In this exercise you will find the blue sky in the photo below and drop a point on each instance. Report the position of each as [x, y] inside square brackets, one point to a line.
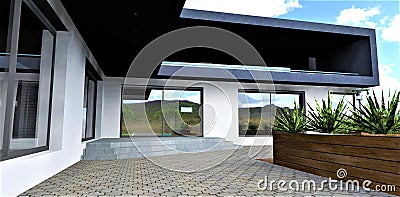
[155, 94]
[383, 16]
[329, 11]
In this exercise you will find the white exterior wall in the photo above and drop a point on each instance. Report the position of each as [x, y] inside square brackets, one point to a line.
[65, 147]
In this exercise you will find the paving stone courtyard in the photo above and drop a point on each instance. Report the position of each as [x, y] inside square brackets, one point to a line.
[238, 175]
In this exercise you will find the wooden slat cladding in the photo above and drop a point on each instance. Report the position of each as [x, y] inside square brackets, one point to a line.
[380, 142]
[374, 158]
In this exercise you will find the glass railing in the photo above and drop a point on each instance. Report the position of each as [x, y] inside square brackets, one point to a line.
[250, 68]
[25, 61]
[229, 67]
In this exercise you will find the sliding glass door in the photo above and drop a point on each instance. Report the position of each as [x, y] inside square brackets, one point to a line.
[170, 112]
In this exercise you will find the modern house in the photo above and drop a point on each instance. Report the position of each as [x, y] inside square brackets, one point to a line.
[72, 72]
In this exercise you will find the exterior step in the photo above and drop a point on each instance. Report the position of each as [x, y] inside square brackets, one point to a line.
[124, 148]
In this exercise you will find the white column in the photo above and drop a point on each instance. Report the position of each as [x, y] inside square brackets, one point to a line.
[44, 88]
[59, 94]
[218, 110]
[112, 108]
[66, 117]
[315, 93]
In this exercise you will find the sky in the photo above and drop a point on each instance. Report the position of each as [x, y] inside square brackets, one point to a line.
[249, 100]
[155, 94]
[383, 16]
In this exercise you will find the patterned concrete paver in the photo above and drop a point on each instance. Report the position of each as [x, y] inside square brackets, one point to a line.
[238, 175]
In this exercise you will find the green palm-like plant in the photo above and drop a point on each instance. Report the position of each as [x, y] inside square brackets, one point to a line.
[326, 118]
[377, 117]
[253, 126]
[292, 122]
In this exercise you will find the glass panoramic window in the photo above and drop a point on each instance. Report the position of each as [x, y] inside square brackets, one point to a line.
[35, 47]
[26, 109]
[162, 113]
[257, 111]
[140, 115]
[181, 110]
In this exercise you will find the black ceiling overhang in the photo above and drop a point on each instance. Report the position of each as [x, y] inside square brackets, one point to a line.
[115, 33]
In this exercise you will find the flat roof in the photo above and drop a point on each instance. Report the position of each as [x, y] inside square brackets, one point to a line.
[117, 33]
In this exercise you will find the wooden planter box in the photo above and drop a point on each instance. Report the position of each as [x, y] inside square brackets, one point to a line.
[374, 158]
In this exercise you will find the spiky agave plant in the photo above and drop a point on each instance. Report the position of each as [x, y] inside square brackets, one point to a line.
[377, 117]
[292, 122]
[326, 118]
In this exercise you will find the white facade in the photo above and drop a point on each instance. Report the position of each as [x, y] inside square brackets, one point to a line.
[220, 118]
[65, 146]
[220, 101]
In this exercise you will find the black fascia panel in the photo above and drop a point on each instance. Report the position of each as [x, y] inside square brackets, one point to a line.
[357, 56]
[274, 22]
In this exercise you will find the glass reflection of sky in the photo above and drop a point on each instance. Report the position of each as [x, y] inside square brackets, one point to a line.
[285, 100]
[193, 96]
[262, 99]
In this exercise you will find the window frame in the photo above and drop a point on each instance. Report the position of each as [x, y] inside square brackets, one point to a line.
[302, 102]
[91, 75]
[346, 94]
[15, 12]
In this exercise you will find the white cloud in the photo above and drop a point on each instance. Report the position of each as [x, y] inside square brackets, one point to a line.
[265, 8]
[387, 82]
[155, 95]
[392, 33]
[360, 17]
[383, 20]
[192, 98]
[386, 69]
[388, 85]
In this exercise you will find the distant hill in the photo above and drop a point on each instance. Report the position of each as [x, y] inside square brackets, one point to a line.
[154, 106]
[255, 113]
[153, 109]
